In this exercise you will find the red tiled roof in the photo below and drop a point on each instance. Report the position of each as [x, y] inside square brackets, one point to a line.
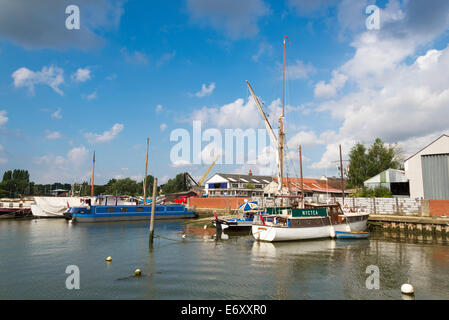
[310, 184]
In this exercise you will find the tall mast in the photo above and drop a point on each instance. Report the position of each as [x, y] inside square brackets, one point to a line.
[302, 179]
[342, 179]
[281, 122]
[93, 170]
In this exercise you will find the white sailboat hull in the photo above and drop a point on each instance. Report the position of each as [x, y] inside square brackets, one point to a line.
[273, 233]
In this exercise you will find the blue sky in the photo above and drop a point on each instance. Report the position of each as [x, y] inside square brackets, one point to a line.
[135, 69]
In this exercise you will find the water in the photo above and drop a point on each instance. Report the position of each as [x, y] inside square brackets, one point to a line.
[34, 255]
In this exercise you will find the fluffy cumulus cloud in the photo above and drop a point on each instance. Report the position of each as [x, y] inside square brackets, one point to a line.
[81, 75]
[43, 24]
[205, 90]
[395, 94]
[236, 19]
[69, 167]
[51, 76]
[105, 136]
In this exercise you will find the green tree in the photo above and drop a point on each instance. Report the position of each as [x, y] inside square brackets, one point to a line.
[357, 166]
[364, 164]
[177, 184]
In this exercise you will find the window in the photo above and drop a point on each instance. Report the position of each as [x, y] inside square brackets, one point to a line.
[235, 185]
[258, 186]
[123, 209]
[139, 209]
[11, 205]
[111, 210]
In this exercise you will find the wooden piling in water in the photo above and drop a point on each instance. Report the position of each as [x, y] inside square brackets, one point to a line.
[153, 207]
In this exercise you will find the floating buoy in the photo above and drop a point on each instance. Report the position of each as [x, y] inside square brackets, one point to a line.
[205, 226]
[407, 288]
[183, 236]
[137, 272]
[108, 259]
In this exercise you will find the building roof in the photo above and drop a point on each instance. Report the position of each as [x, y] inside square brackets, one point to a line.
[310, 184]
[390, 175]
[245, 178]
[443, 135]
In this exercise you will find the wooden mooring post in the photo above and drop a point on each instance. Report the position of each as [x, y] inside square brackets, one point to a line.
[153, 206]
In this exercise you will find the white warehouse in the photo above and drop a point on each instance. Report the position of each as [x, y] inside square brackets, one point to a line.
[428, 170]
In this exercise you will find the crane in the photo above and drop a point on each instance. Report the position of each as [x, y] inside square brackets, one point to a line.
[207, 171]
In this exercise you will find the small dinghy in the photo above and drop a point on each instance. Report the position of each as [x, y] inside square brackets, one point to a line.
[351, 234]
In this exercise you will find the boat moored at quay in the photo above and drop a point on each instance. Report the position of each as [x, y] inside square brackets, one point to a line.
[313, 222]
[110, 213]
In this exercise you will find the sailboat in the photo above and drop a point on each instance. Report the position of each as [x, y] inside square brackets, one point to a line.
[312, 221]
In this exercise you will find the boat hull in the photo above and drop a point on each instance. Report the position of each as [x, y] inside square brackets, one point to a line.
[127, 213]
[232, 225]
[129, 218]
[272, 233]
[351, 235]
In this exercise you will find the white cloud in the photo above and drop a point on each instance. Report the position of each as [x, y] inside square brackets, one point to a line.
[52, 134]
[3, 117]
[304, 138]
[205, 90]
[300, 70]
[43, 26]
[136, 57]
[81, 75]
[92, 96]
[264, 48]
[163, 126]
[165, 58]
[323, 90]
[159, 108]
[105, 136]
[51, 76]
[66, 168]
[236, 19]
[390, 97]
[57, 114]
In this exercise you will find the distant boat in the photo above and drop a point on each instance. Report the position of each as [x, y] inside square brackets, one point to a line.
[10, 208]
[351, 235]
[243, 222]
[109, 213]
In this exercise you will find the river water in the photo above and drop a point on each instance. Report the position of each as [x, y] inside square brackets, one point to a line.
[34, 255]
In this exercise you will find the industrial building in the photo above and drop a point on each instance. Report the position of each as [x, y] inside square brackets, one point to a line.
[428, 170]
[392, 179]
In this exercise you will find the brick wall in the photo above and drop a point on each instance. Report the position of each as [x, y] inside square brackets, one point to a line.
[439, 207]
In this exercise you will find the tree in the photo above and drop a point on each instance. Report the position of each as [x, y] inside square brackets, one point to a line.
[357, 166]
[365, 164]
[178, 184]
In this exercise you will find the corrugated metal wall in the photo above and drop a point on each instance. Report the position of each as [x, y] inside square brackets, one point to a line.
[435, 173]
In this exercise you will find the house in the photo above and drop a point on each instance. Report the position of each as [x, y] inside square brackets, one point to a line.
[392, 179]
[312, 188]
[236, 185]
[428, 170]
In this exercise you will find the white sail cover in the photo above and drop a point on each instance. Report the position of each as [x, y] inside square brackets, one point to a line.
[56, 206]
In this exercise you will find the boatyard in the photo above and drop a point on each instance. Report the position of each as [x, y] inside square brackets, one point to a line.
[210, 150]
